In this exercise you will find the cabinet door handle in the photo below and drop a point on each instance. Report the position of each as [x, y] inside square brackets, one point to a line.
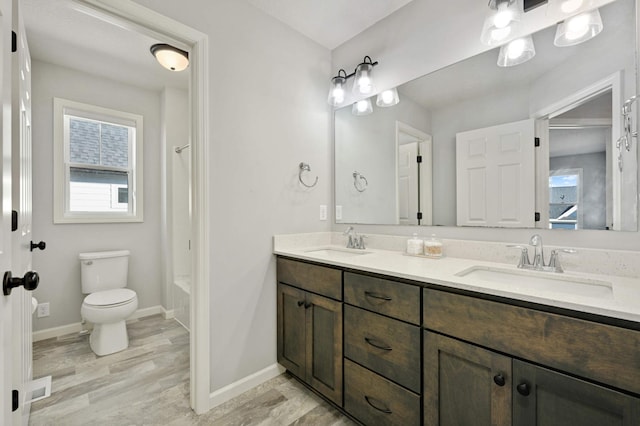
[377, 296]
[300, 302]
[382, 410]
[307, 305]
[499, 379]
[524, 389]
[382, 346]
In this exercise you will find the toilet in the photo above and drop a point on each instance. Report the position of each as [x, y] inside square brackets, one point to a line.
[108, 302]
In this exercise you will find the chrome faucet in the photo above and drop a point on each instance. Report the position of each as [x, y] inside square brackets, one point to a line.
[355, 241]
[538, 256]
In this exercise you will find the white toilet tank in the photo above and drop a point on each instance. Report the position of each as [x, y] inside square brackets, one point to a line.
[104, 270]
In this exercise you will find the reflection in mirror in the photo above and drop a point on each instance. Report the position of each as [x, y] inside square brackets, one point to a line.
[562, 89]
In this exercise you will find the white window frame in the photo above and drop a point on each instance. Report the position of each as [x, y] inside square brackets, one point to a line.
[62, 164]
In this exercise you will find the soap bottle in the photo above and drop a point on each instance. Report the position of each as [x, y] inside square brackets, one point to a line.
[414, 245]
[433, 247]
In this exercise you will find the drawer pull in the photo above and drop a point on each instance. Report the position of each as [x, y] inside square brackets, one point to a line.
[377, 296]
[499, 379]
[379, 345]
[382, 410]
[300, 302]
[524, 389]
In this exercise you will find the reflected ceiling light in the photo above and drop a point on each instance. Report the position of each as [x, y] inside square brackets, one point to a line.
[170, 57]
[501, 21]
[362, 107]
[560, 8]
[362, 84]
[516, 52]
[578, 29]
[388, 98]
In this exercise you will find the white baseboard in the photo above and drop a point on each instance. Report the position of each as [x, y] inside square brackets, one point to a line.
[77, 327]
[169, 314]
[234, 389]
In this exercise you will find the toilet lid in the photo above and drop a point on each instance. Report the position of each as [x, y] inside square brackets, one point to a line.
[110, 297]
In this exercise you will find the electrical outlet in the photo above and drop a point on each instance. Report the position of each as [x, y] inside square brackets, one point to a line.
[323, 212]
[338, 212]
[43, 310]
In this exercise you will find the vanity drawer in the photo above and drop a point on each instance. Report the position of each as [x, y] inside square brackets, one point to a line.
[376, 401]
[387, 297]
[600, 352]
[384, 345]
[316, 279]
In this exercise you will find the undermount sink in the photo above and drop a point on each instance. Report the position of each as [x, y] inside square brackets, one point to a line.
[518, 280]
[335, 253]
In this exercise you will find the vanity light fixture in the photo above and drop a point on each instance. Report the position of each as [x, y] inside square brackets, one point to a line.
[501, 21]
[170, 57]
[516, 52]
[362, 85]
[362, 107]
[388, 98]
[562, 8]
[578, 29]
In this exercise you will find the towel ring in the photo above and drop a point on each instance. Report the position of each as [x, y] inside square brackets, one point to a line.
[304, 167]
[358, 178]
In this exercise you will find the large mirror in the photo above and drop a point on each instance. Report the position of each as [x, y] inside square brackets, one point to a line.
[399, 165]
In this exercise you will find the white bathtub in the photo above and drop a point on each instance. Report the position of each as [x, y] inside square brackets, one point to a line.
[181, 298]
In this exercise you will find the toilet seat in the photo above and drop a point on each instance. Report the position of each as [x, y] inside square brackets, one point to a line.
[110, 298]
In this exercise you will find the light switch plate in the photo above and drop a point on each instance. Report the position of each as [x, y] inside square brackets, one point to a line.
[323, 212]
[338, 212]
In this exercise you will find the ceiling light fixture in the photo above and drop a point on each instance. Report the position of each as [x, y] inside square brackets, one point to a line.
[362, 85]
[388, 98]
[578, 29]
[501, 22]
[170, 57]
[516, 52]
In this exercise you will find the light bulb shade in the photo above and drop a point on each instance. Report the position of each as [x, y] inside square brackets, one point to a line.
[565, 8]
[578, 29]
[516, 52]
[363, 80]
[362, 107]
[170, 57]
[388, 98]
[501, 22]
[337, 90]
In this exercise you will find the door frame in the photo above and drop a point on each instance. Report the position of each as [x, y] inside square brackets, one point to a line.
[141, 19]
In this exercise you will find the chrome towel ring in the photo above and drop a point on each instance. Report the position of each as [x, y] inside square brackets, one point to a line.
[304, 167]
[358, 178]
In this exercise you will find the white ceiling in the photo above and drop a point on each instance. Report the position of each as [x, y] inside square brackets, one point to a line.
[329, 22]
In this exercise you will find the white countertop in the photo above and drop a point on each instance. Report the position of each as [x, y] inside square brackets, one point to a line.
[622, 301]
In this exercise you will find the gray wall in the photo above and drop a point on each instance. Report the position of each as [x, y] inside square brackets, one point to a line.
[268, 112]
[58, 265]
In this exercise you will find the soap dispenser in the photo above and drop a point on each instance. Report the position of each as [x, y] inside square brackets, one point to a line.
[433, 247]
[414, 245]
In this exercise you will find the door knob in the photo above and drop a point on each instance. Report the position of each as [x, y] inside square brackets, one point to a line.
[41, 245]
[29, 282]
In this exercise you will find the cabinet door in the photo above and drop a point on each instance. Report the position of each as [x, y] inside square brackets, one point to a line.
[465, 384]
[292, 330]
[547, 398]
[324, 346]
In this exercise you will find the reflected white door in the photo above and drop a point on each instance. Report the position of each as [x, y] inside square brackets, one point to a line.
[21, 199]
[408, 184]
[6, 354]
[495, 170]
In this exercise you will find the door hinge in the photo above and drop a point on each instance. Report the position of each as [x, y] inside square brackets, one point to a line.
[536, 142]
[14, 220]
[536, 216]
[14, 42]
[15, 400]
[419, 215]
[419, 158]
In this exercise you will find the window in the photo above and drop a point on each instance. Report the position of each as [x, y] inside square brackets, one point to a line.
[97, 164]
[565, 211]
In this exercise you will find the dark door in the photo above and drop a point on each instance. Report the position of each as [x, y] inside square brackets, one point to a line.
[292, 329]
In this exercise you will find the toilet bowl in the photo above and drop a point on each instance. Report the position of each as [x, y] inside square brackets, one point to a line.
[108, 303]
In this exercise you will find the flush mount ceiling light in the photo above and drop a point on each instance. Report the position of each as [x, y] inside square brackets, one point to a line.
[362, 107]
[501, 22]
[578, 29]
[170, 57]
[388, 98]
[516, 52]
[362, 85]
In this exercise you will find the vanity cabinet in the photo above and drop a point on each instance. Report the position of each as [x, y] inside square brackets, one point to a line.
[505, 377]
[382, 341]
[310, 325]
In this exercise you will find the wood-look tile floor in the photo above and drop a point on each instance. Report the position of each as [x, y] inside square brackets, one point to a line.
[148, 384]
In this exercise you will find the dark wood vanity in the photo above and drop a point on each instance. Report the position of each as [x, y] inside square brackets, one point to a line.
[392, 351]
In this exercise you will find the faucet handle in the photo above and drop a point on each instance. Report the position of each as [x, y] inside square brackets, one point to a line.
[361, 241]
[524, 255]
[554, 260]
